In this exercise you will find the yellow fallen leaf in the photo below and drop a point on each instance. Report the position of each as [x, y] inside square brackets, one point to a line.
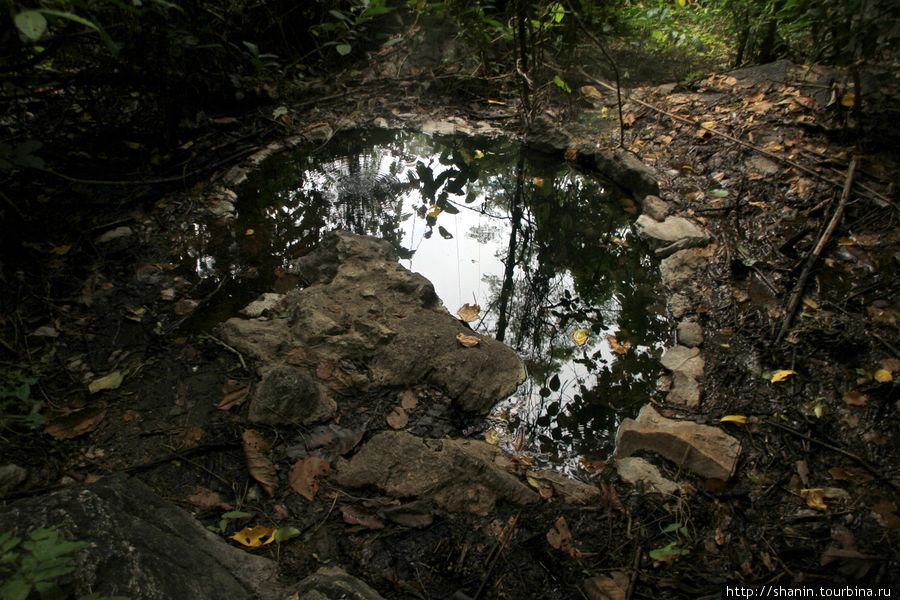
[257, 536]
[616, 346]
[538, 181]
[580, 336]
[883, 376]
[782, 375]
[467, 340]
[815, 498]
[848, 99]
[112, 381]
[479, 154]
[492, 437]
[739, 419]
[469, 312]
[249, 232]
[435, 211]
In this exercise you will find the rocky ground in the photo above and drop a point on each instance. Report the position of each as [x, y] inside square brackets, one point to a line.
[786, 475]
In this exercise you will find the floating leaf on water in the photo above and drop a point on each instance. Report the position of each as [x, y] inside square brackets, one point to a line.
[469, 312]
[782, 375]
[580, 336]
[469, 341]
[479, 154]
[107, 382]
[492, 437]
[616, 346]
[435, 211]
[254, 537]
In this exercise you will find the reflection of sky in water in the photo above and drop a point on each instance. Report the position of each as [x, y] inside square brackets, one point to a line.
[580, 270]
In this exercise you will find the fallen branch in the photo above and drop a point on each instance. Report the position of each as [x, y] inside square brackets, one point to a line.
[817, 250]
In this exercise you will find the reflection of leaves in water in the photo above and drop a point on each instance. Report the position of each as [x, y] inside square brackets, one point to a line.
[484, 233]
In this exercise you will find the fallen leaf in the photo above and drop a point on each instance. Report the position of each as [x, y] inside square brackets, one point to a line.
[469, 312]
[235, 394]
[890, 364]
[184, 306]
[409, 400]
[75, 424]
[254, 537]
[296, 356]
[206, 498]
[544, 491]
[107, 382]
[468, 341]
[324, 369]
[612, 587]
[304, 476]
[886, 515]
[781, 375]
[739, 419]
[854, 398]
[815, 498]
[258, 464]
[616, 346]
[283, 534]
[883, 376]
[492, 437]
[580, 336]
[560, 537]
[397, 418]
[357, 515]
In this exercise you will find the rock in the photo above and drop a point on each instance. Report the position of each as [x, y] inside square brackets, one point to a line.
[140, 545]
[625, 170]
[286, 395]
[264, 342]
[11, 476]
[363, 306]
[655, 207]
[331, 583]
[681, 359]
[635, 470]
[682, 267]
[690, 334]
[265, 303]
[114, 234]
[679, 305]
[545, 136]
[707, 451]
[456, 475]
[674, 233]
[685, 390]
[570, 490]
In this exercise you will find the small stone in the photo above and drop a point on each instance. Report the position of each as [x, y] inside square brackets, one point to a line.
[672, 229]
[11, 476]
[114, 234]
[286, 395]
[679, 305]
[634, 470]
[265, 303]
[655, 207]
[685, 391]
[681, 359]
[690, 334]
[682, 267]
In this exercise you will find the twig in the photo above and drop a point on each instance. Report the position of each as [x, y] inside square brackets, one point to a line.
[817, 250]
[227, 347]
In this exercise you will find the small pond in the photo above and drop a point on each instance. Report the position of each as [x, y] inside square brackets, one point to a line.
[547, 252]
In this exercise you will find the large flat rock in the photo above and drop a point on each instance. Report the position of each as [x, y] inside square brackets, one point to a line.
[140, 545]
[707, 451]
[456, 475]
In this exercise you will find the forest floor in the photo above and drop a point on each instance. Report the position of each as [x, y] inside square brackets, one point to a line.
[813, 503]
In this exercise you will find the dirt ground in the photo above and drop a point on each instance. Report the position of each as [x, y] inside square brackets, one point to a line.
[813, 503]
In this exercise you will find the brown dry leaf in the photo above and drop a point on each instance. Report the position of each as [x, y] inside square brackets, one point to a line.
[206, 498]
[235, 394]
[324, 370]
[254, 537]
[854, 398]
[304, 476]
[545, 491]
[886, 515]
[296, 357]
[357, 515]
[258, 464]
[890, 364]
[629, 119]
[469, 312]
[397, 418]
[611, 587]
[560, 537]
[616, 346]
[409, 400]
[184, 306]
[75, 424]
[468, 341]
[815, 498]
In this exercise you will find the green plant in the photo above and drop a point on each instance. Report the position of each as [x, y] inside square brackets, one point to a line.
[350, 27]
[227, 518]
[674, 549]
[28, 568]
[16, 404]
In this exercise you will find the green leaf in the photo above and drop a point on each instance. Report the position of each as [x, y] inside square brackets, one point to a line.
[672, 527]
[283, 534]
[343, 49]
[17, 589]
[562, 84]
[719, 193]
[31, 23]
[392, 41]
[107, 382]
[71, 17]
[236, 514]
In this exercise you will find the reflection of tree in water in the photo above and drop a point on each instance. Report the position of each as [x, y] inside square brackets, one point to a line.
[570, 269]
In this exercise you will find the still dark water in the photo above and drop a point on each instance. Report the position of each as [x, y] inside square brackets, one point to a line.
[546, 252]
